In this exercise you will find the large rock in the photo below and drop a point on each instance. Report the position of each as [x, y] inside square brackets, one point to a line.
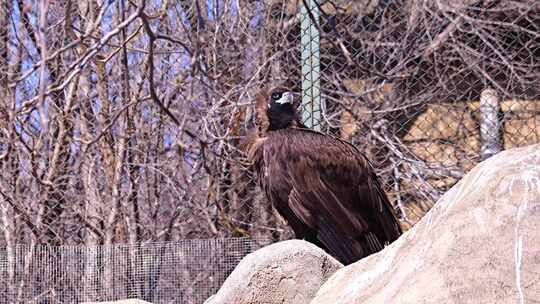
[288, 272]
[479, 244]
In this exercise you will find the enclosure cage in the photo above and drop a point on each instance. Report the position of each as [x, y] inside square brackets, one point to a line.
[122, 123]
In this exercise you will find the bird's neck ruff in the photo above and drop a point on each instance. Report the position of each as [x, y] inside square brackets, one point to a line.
[282, 117]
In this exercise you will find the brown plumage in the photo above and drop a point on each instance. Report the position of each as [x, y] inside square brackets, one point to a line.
[323, 186]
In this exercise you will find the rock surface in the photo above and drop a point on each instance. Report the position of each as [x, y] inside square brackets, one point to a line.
[288, 272]
[479, 244]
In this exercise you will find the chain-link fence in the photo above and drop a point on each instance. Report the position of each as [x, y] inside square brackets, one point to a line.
[426, 88]
[122, 121]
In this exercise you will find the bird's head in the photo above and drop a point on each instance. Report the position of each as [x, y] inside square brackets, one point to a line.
[280, 106]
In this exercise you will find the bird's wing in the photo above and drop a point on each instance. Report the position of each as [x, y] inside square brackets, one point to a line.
[334, 191]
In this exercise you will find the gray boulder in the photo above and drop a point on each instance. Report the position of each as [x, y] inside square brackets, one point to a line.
[479, 244]
[288, 272]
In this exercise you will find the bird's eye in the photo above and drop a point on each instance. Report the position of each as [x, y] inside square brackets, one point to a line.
[276, 96]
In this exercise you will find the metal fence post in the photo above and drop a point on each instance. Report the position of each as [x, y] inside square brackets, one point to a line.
[311, 69]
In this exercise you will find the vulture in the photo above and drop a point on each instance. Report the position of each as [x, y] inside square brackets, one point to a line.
[324, 187]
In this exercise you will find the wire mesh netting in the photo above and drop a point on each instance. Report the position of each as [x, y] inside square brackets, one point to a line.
[187, 271]
[122, 121]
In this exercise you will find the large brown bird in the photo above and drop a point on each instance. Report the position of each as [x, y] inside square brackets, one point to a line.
[324, 187]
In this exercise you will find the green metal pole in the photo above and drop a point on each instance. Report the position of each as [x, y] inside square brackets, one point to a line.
[311, 68]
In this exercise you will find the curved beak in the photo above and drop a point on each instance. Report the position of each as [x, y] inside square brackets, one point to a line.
[287, 97]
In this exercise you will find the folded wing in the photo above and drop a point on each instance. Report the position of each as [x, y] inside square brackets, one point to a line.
[329, 191]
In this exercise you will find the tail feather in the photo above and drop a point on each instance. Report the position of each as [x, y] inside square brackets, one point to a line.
[344, 248]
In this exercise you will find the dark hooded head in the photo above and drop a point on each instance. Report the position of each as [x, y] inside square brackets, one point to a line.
[282, 109]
